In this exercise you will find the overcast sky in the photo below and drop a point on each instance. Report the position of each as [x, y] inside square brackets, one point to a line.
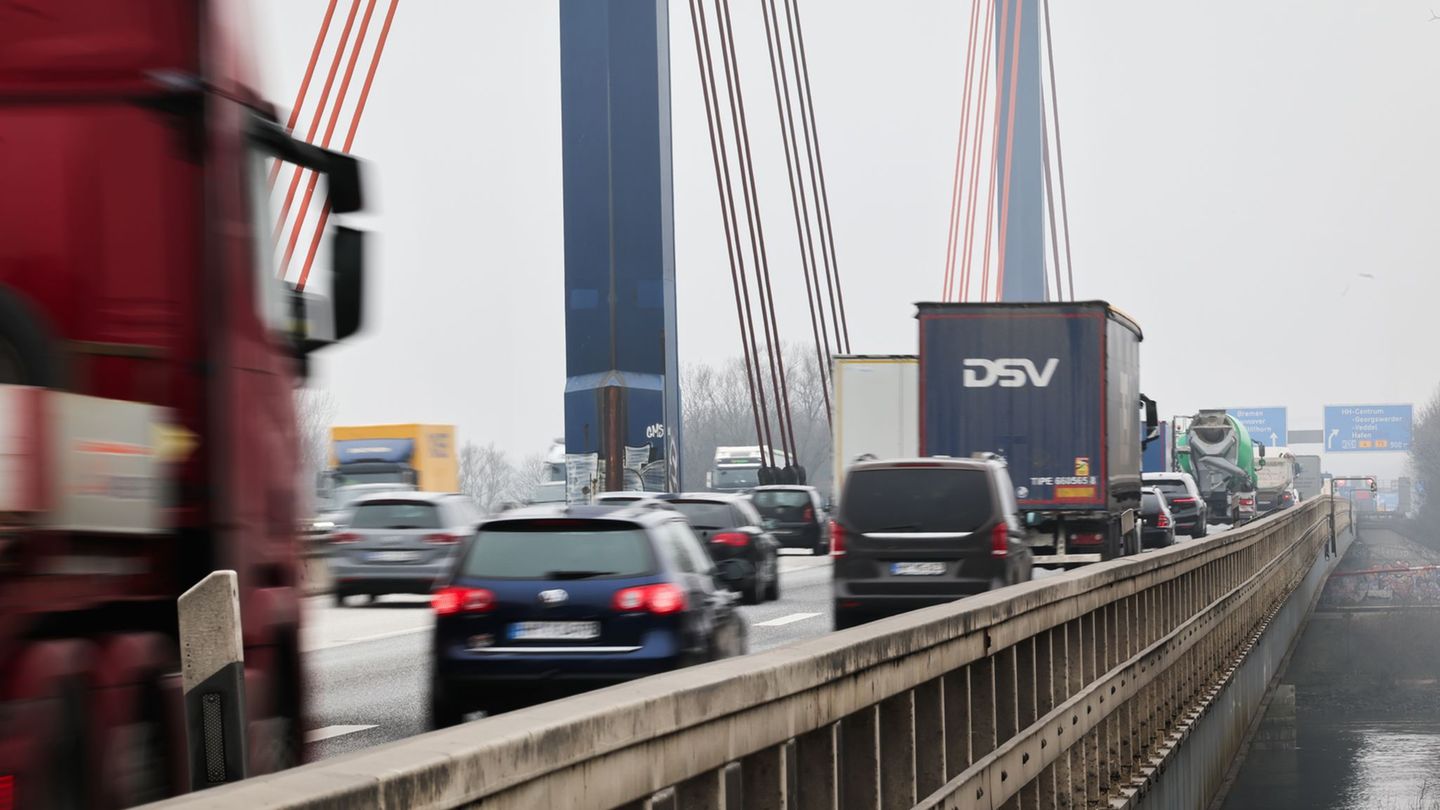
[1231, 166]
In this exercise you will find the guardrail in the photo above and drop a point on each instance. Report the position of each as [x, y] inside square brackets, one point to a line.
[1067, 692]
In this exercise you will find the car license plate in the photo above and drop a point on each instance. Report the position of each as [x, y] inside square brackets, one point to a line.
[393, 556]
[554, 631]
[917, 569]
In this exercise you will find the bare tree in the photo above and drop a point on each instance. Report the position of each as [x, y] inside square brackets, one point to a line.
[1425, 459]
[486, 475]
[527, 475]
[314, 415]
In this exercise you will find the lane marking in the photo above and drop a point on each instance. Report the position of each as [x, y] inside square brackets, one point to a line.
[793, 617]
[329, 732]
[330, 645]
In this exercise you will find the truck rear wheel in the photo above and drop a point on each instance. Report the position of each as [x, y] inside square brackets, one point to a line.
[28, 351]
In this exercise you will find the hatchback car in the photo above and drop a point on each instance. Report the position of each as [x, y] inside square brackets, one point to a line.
[732, 530]
[795, 515]
[398, 542]
[1159, 529]
[1187, 508]
[548, 601]
[920, 532]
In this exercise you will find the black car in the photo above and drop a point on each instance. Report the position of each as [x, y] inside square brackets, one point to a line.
[1159, 529]
[795, 515]
[1187, 508]
[732, 530]
[549, 601]
[914, 533]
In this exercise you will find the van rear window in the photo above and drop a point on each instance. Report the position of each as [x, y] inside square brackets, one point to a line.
[917, 499]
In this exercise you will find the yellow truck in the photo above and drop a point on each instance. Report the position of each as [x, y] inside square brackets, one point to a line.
[421, 456]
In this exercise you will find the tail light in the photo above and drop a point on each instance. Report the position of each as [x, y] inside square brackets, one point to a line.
[809, 513]
[456, 599]
[661, 599]
[442, 538]
[1087, 539]
[1247, 501]
[837, 540]
[1184, 501]
[344, 537]
[1162, 522]
[737, 539]
[1000, 541]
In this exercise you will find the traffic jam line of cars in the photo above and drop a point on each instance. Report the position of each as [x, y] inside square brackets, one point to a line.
[545, 601]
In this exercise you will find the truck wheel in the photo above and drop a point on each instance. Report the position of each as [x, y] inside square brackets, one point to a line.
[28, 351]
[445, 710]
[1113, 546]
[68, 792]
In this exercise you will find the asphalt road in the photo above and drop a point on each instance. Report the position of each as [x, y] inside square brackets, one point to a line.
[368, 666]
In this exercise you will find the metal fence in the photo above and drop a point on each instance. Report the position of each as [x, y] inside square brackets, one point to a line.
[1065, 692]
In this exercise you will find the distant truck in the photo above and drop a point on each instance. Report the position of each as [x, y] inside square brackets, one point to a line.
[738, 469]
[1275, 481]
[1053, 388]
[1219, 454]
[1159, 455]
[876, 409]
[1308, 477]
[411, 456]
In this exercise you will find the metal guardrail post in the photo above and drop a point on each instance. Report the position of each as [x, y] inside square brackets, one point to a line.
[213, 675]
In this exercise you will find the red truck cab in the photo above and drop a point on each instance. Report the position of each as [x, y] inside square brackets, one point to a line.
[148, 357]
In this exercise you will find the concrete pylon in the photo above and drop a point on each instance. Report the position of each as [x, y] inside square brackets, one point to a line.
[1024, 206]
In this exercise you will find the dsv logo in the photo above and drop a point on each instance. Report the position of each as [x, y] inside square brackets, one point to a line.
[1008, 372]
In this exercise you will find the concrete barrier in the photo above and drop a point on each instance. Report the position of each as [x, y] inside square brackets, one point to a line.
[1061, 691]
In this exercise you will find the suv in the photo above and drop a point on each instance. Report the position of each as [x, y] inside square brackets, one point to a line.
[398, 542]
[920, 532]
[548, 601]
[795, 515]
[1187, 507]
[732, 530]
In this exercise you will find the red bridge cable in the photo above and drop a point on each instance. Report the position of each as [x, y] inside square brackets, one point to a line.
[725, 188]
[305, 83]
[1059, 288]
[994, 157]
[968, 253]
[814, 183]
[754, 223]
[320, 108]
[956, 179]
[304, 208]
[829, 223]
[350, 136]
[792, 159]
[1014, 75]
[1059, 152]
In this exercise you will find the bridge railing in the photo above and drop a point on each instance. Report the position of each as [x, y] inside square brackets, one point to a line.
[1063, 692]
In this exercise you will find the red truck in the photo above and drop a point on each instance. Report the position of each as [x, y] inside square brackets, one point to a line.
[148, 354]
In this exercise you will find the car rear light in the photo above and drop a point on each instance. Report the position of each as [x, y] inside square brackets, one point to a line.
[661, 599]
[1247, 501]
[809, 513]
[457, 599]
[1162, 522]
[1000, 541]
[1186, 501]
[737, 539]
[442, 537]
[1087, 539]
[344, 537]
[837, 540]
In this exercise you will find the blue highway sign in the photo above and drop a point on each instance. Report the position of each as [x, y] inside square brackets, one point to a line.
[1265, 425]
[1368, 428]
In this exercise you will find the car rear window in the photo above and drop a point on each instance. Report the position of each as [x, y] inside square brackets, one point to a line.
[1150, 502]
[706, 514]
[1172, 488]
[917, 499]
[396, 515]
[770, 499]
[559, 549]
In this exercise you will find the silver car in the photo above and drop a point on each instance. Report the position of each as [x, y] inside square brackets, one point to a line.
[399, 542]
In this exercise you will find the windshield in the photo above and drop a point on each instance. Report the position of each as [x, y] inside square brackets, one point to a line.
[919, 499]
[1150, 502]
[396, 515]
[541, 550]
[706, 515]
[736, 477]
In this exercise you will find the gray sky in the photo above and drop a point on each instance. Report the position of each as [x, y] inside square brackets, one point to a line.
[1231, 168]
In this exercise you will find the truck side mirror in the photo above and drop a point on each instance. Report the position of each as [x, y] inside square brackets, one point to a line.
[1152, 421]
[348, 287]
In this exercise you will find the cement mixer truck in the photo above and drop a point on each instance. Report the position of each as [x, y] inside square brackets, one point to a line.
[1217, 451]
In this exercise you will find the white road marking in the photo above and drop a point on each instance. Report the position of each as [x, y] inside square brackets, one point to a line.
[362, 639]
[793, 617]
[316, 735]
